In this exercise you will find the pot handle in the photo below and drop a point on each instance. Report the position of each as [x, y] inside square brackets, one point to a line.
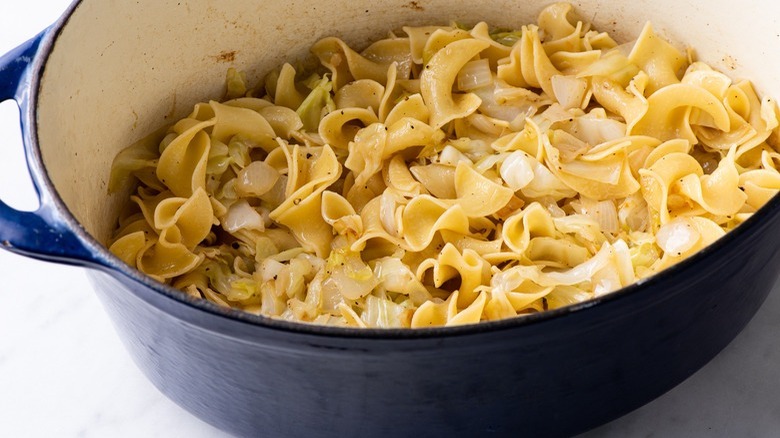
[41, 234]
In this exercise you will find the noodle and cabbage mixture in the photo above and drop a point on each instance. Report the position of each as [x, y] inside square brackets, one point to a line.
[449, 175]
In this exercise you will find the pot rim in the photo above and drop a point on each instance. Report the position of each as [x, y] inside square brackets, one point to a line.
[112, 265]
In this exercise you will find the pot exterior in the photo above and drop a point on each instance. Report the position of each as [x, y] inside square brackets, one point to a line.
[553, 377]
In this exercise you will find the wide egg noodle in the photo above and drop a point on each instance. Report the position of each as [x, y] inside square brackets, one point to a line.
[287, 94]
[439, 75]
[301, 211]
[659, 59]
[182, 165]
[471, 269]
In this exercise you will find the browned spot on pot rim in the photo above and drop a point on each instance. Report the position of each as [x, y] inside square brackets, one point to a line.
[226, 56]
[415, 6]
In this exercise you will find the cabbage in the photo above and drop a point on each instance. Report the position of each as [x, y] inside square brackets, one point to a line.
[603, 213]
[452, 156]
[580, 225]
[569, 91]
[236, 84]
[517, 170]
[633, 213]
[606, 280]
[644, 255]
[233, 286]
[613, 65]
[256, 179]
[514, 111]
[545, 184]
[678, 236]
[582, 272]
[507, 38]
[563, 295]
[241, 215]
[270, 269]
[219, 161]
[348, 274]
[569, 146]
[623, 260]
[242, 289]
[596, 130]
[238, 151]
[395, 276]
[487, 125]
[381, 312]
[474, 150]
[317, 104]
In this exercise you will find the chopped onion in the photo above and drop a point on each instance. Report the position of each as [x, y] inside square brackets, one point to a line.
[515, 113]
[452, 156]
[613, 65]
[677, 236]
[633, 213]
[553, 114]
[517, 170]
[552, 206]
[283, 120]
[608, 173]
[596, 130]
[768, 112]
[709, 160]
[488, 125]
[475, 74]
[256, 179]
[606, 216]
[566, 295]
[277, 194]
[518, 124]
[511, 279]
[604, 213]
[605, 281]
[241, 215]
[570, 147]
[580, 225]
[569, 91]
[488, 162]
[623, 259]
[546, 184]
[474, 149]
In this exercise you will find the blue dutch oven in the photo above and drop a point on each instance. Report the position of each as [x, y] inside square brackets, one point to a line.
[109, 72]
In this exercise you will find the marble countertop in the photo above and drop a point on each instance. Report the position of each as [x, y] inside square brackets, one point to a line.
[64, 372]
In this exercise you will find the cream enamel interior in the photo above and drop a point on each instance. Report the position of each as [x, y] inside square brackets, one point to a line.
[120, 70]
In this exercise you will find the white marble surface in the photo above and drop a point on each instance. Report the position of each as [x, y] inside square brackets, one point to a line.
[64, 372]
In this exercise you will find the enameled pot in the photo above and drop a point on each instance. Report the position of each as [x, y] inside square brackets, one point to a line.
[110, 72]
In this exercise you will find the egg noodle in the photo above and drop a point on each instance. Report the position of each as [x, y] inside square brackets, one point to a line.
[449, 175]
